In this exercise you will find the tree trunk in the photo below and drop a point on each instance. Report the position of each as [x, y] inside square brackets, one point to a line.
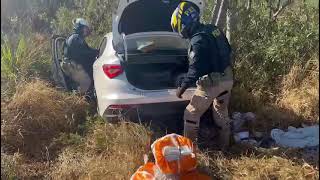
[249, 4]
[215, 11]
[222, 14]
[228, 24]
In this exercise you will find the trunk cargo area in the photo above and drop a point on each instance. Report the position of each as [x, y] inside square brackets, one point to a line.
[154, 73]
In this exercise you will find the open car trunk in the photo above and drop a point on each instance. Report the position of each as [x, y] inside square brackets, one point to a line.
[155, 72]
[137, 16]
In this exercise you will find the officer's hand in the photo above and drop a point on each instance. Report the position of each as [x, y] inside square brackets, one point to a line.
[180, 91]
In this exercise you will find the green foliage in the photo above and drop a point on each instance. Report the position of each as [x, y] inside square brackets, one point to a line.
[89, 124]
[11, 60]
[62, 24]
[27, 59]
[10, 166]
[97, 12]
[207, 14]
[66, 139]
[266, 50]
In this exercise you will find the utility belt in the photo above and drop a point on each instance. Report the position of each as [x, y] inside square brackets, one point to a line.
[65, 61]
[214, 78]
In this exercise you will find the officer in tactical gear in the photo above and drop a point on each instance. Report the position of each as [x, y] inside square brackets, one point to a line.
[79, 57]
[209, 66]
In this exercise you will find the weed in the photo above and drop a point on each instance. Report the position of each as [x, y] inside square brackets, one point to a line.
[37, 114]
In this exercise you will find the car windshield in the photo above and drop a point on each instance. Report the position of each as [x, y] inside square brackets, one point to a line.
[155, 44]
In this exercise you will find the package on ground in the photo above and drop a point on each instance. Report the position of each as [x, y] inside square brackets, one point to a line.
[175, 158]
[241, 121]
[297, 137]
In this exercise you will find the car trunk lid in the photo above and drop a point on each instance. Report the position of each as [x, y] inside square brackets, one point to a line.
[135, 16]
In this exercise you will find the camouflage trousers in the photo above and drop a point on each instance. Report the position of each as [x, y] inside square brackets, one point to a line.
[78, 74]
[214, 88]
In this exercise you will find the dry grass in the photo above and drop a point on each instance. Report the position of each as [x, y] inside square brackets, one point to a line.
[16, 166]
[110, 152]
[10, 165]
[116, 151]
[296, 102]
[253, 167]
[300, 92]
[36, 114]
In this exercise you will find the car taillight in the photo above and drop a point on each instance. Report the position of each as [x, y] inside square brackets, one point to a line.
[112, 70]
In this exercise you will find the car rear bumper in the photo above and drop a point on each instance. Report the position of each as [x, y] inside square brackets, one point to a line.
[111, 102]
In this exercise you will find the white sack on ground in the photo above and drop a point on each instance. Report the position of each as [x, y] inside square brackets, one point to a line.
[297, 137]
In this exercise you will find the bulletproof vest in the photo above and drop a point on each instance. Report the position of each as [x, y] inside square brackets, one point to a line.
[70, 51]
[66, 47]
[219, 47]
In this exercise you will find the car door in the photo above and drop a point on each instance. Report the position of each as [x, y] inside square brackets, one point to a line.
[59, 78]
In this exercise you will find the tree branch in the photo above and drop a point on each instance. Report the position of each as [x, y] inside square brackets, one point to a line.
[280, 9]
[215, 11]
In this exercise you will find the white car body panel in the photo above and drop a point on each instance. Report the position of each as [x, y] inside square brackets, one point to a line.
[119, 91]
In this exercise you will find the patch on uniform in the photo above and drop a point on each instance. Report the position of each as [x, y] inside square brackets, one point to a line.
[216, 33]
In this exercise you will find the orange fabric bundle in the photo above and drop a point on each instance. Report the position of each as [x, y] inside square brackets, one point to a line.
[175, 158]
[174, 154]
[145, 172]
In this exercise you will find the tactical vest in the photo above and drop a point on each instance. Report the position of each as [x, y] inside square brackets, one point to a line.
[217, 39]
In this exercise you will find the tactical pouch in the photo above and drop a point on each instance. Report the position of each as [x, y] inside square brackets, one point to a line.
[213, 79]
[205, 81]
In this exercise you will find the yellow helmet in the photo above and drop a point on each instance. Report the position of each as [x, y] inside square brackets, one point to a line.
[183, 16]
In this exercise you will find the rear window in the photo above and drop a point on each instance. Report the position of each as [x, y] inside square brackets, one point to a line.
[156, 44]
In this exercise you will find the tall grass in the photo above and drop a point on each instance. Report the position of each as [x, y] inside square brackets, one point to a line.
[267, 52]
[12, 59]
[23, 60]
[277, 76]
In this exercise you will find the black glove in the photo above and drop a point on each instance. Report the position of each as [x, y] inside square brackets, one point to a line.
[180, 91]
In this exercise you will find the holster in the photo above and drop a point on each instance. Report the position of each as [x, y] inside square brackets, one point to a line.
[214, 78]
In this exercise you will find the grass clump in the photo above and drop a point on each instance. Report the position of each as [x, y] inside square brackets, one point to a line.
[21, 61]
[251, 166]
[10, 165]
[36, 114]
[300, 92]
[109, 152]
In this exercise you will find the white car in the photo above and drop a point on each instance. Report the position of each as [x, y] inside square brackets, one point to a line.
[141, 62]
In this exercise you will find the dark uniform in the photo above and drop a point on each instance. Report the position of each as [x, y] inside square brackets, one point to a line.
[204, 54]
[209, 67]
[78, 50]
[79, 59]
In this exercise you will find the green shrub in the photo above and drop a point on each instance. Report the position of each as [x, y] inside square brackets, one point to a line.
[266, 50]
[62, 24]
[12, 59]
[97, 12]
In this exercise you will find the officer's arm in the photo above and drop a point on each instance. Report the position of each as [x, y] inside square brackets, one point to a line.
[83, 50]
[197, 62]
